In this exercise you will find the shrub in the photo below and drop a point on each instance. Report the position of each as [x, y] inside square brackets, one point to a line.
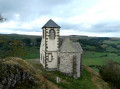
[110, 72]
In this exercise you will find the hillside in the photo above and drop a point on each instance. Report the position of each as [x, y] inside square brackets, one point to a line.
[89, 79]
[97, 50]
[15, 73]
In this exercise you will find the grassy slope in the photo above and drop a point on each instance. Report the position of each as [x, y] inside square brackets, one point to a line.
[88, 80]
[26, 67]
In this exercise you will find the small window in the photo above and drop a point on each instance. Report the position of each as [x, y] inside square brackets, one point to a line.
[52, 34]
[50, 57]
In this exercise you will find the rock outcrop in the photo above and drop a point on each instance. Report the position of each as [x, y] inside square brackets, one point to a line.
[15, 73]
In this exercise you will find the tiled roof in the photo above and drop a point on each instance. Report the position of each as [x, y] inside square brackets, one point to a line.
[69, 46]
[51, 24]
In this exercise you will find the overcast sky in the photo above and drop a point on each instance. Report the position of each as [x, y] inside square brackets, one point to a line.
[76, 17]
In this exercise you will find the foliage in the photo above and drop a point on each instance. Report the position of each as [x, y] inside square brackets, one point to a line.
[11, 48]
[1, 18]
[16, 49]
[27, 41]
[91, 42]
[38, 41]
[26, 47]
[110, 72]
[4, 46]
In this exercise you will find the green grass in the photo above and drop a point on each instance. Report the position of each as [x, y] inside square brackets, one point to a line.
[111, 42]
[70, 83]
[110, 49]
[32, 52]
[88, 80]
[99, 58]
[79, 83]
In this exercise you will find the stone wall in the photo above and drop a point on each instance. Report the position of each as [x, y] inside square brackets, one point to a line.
[66, 63]
[69, 64]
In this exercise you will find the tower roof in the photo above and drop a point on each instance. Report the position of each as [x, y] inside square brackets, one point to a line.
[51, 24]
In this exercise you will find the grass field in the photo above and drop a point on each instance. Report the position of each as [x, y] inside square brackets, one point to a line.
[88, 80]
[111, 49]
[32, 52]
[112, 42]
[99, 58]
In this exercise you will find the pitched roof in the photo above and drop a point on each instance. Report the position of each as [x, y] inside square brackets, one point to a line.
[50, 24]
[77, 46]
[69, 46]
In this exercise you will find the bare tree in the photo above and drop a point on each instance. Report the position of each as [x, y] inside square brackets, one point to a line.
[1, 18]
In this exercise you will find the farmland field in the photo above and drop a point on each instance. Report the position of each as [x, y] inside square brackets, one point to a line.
[97, 50]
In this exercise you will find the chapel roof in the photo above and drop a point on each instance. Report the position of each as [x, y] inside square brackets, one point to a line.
[51, 24]
[69, 46]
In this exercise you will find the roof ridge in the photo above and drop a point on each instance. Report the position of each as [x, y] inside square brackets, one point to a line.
[69, 46]
[51, 24]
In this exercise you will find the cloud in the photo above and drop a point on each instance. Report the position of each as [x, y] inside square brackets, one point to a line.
[90, 17]
[106, 27]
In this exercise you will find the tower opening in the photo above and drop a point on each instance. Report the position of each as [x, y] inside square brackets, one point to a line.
[52, 34]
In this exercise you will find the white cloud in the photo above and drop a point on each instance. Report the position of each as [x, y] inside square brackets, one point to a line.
[80, 15]
[104, 11]
[10, 24]
[30, 33]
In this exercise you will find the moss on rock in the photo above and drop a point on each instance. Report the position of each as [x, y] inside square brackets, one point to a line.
[15, 73]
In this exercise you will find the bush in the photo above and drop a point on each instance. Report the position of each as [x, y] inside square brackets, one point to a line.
[110, 72]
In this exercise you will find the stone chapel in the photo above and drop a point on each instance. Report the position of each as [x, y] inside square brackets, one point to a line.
[65, 57]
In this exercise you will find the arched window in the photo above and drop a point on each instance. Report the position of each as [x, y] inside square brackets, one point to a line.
[52, 34]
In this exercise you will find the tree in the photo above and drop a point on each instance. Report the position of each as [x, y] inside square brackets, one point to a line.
[16, 49]
[110, 72]
[38, 41]
[4, 47]
[1, 18]
[27, 41]
[11, 48]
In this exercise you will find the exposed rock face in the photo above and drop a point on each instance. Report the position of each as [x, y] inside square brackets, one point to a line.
[12, 75]
[16, 73]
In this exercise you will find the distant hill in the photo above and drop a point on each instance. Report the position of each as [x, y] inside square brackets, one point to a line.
[78, 36]
[19, 36]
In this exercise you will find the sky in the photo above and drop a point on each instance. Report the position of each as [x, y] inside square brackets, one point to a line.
[75, 17]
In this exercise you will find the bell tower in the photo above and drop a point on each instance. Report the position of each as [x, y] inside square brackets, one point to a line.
[49, 45]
